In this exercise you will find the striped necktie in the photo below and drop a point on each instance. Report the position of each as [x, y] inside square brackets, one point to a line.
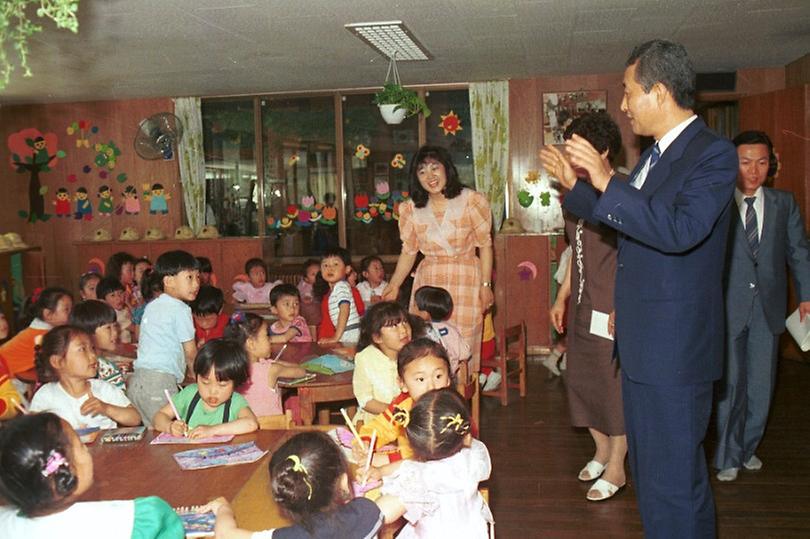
[751, 226]
[655, 155]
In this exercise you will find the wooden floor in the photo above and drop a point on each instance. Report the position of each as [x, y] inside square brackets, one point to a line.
[536, 455]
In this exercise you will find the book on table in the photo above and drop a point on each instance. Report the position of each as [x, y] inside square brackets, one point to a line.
[224, 455]
[328, 364]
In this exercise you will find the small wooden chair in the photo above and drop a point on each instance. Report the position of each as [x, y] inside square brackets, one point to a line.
[510, 360]
[469, 389]
[276, 422]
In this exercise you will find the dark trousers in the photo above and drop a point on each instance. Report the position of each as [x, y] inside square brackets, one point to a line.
[666, 426]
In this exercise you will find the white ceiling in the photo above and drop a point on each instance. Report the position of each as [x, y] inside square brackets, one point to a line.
[147, 48]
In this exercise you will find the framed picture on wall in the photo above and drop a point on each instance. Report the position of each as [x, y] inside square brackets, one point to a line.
[560, 109]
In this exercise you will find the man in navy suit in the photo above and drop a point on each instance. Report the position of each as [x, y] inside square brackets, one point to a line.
[763, 241]
[673, 221]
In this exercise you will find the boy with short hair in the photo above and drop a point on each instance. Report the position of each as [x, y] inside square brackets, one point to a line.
[335, 266]
[290, 326]
[373, 272]
[112, 292]
[209, 320]
[167, 347]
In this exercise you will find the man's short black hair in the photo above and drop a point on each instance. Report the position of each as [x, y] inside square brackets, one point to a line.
[668, 63]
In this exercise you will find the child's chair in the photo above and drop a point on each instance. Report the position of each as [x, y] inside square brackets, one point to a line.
[468, 387]
[510, 361]
[276, 422]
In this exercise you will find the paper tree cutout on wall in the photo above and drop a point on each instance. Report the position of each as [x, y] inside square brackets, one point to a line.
[451, 123]
[33, 152]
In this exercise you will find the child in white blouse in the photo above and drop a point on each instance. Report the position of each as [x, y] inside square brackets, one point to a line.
[67, 360]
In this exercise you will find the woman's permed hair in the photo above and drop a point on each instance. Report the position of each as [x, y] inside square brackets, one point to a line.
[116, 263]
[439, 422]
[417, 349]
[36, 304]
[91, 314]
[378, 316]
[243, 326]
[35, 471]
[228, 360]
[600, 130]
[437, 302]
[453, 186]
[54, 343]
[305, 476]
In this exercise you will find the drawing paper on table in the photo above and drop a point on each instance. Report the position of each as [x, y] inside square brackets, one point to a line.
[166, 438]
[224, 455]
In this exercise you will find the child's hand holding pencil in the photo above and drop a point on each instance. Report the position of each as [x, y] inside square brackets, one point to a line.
[177, 427]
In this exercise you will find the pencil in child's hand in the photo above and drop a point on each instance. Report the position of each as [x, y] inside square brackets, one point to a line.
[174, 408]
[19, 406]
[351, 427]
[370, 454]
[280, 352]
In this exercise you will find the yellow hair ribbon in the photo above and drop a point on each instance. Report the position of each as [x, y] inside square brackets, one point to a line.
[455, 422]
[298, 466]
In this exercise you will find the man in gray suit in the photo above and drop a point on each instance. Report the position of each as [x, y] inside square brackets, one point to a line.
[767, 235]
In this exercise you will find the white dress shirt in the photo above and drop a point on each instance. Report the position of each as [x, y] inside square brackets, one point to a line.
[663, 144]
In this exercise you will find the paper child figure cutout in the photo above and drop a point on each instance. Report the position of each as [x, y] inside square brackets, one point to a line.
[131, 204]
[157, 198]
[105, 204]
[84, 208]
[62, 203]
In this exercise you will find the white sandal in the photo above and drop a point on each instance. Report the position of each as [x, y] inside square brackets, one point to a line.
[593, 469]
[606, 490]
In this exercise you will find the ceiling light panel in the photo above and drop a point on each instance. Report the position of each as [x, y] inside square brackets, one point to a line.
[388, 38]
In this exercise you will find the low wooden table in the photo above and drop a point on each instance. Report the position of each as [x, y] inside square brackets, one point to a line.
[131, 470]
[323, 388]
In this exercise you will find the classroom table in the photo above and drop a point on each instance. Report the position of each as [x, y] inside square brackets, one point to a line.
[323, 388]
[131, 470]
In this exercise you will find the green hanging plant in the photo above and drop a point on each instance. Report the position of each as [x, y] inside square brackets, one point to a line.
[16, 28]
[394, 94]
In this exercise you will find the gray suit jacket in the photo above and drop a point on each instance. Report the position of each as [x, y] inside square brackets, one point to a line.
[783, 243]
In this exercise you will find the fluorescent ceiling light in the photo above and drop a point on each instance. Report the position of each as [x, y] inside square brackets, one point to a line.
[388, 38]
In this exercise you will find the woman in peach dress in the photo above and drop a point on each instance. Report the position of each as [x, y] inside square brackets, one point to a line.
[447, 222]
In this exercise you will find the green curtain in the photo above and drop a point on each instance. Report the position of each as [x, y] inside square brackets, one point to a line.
[192, 162]
[489, 109]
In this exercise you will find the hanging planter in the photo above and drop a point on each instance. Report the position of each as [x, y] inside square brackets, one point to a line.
[395, 102]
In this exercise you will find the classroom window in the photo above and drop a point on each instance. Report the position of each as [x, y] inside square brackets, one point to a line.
[454, 132]
[300, 175]
[375, 157]
[231, 181]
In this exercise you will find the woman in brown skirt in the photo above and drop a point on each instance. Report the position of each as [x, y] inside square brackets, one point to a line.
[592, 379]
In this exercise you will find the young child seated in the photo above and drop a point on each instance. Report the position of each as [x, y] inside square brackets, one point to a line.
[44, 310]
[371, 289]
[310, 307]
[111, 291]
[9, 396]
[435, 306]
[66, 360]
[166, 348]
[87, 285]
[46, 469]
[290, 326]
[209, 320]
[385, 330]
[142, 265]
[310, 481]
[437, 492]
[206, 270]
[422, 366]
[343, 314]
[250, 331]
[98, 319]
[256, 289]
[210, 407]
[121, 267]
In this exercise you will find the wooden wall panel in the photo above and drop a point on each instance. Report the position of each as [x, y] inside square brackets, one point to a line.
[117, 121]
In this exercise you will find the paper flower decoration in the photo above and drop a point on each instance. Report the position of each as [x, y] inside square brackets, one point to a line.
[361, 152]
[451, 123]
[532, 176]
[398, 161]
[525, 198]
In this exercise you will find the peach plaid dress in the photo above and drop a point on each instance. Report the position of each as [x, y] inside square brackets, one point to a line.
[448, 242]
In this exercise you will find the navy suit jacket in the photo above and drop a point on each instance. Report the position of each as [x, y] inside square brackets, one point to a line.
[671, 252]
[783, 243]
